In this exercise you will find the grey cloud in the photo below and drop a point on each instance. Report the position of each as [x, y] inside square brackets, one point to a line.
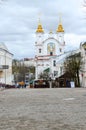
[19, 20]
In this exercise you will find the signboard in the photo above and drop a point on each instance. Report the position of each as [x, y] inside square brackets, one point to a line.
[4, 66]
[72, 84]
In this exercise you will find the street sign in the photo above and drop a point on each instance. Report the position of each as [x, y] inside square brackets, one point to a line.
[4, 66]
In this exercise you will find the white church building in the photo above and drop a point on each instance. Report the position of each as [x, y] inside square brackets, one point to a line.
[49, 51]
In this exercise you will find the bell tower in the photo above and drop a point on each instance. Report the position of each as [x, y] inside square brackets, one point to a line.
[60, 35]
[39, 40]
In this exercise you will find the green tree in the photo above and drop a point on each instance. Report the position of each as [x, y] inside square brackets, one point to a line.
[44, 76]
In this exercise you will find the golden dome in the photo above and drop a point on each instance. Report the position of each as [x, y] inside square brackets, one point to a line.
[39, 29]
[60, 28]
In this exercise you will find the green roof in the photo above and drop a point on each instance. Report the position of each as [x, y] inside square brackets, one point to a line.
[47, 70]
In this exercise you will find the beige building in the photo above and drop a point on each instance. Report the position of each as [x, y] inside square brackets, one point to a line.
[5, 65]
[83, 65]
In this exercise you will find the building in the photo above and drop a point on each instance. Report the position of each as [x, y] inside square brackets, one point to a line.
[50, 54]
[50, 51]
[83, 64]
[5, 65]
[27, 62]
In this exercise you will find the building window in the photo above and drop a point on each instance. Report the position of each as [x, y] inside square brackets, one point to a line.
[55, 73]
[51, 53]
[54, 63]
[85, 51]
[61, 70]
[51, 48]
[60, 49]
[39, 50]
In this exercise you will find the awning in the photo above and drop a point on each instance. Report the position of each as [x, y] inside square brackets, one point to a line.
[31, 81]
[47, 70]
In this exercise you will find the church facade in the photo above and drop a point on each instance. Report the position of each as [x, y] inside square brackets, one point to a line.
[49, 51]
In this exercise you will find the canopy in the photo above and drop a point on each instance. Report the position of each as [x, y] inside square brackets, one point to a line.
[47, 70]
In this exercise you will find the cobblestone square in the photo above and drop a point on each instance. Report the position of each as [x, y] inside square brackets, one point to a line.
[43, 109]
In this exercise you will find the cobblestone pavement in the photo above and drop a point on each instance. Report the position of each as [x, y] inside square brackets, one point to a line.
[43, 109]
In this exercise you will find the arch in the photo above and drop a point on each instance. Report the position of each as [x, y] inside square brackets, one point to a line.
[51, 48]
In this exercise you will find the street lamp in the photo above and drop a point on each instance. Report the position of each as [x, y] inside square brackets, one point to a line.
[50, 82]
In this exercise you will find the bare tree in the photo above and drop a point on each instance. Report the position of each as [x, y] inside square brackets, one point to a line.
[72, 67]
[19, 70]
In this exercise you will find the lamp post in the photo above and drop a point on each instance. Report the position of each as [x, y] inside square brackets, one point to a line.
[50, 82]
[50, 79]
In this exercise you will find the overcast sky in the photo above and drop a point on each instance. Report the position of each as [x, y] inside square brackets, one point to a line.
[19, 20]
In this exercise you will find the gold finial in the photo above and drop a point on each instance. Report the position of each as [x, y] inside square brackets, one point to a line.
[51, 32]
[39, 29]
[60, 27]
[39, 18]
[60, 16]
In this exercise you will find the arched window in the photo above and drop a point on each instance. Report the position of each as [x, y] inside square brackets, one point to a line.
[60, 49]
[54, 63]
[39, 50]
[51, 53]
[51, 48]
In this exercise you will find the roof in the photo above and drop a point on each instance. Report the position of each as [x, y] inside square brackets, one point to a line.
[4, 48]
[60, 28]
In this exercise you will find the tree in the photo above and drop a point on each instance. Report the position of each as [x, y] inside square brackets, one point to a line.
[19, 70]
[72, 67]
[44, 76]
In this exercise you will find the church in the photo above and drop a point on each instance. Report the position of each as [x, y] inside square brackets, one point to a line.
[50, 51]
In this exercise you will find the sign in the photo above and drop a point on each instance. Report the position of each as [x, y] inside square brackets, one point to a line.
[72, 84]
[4, 66]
